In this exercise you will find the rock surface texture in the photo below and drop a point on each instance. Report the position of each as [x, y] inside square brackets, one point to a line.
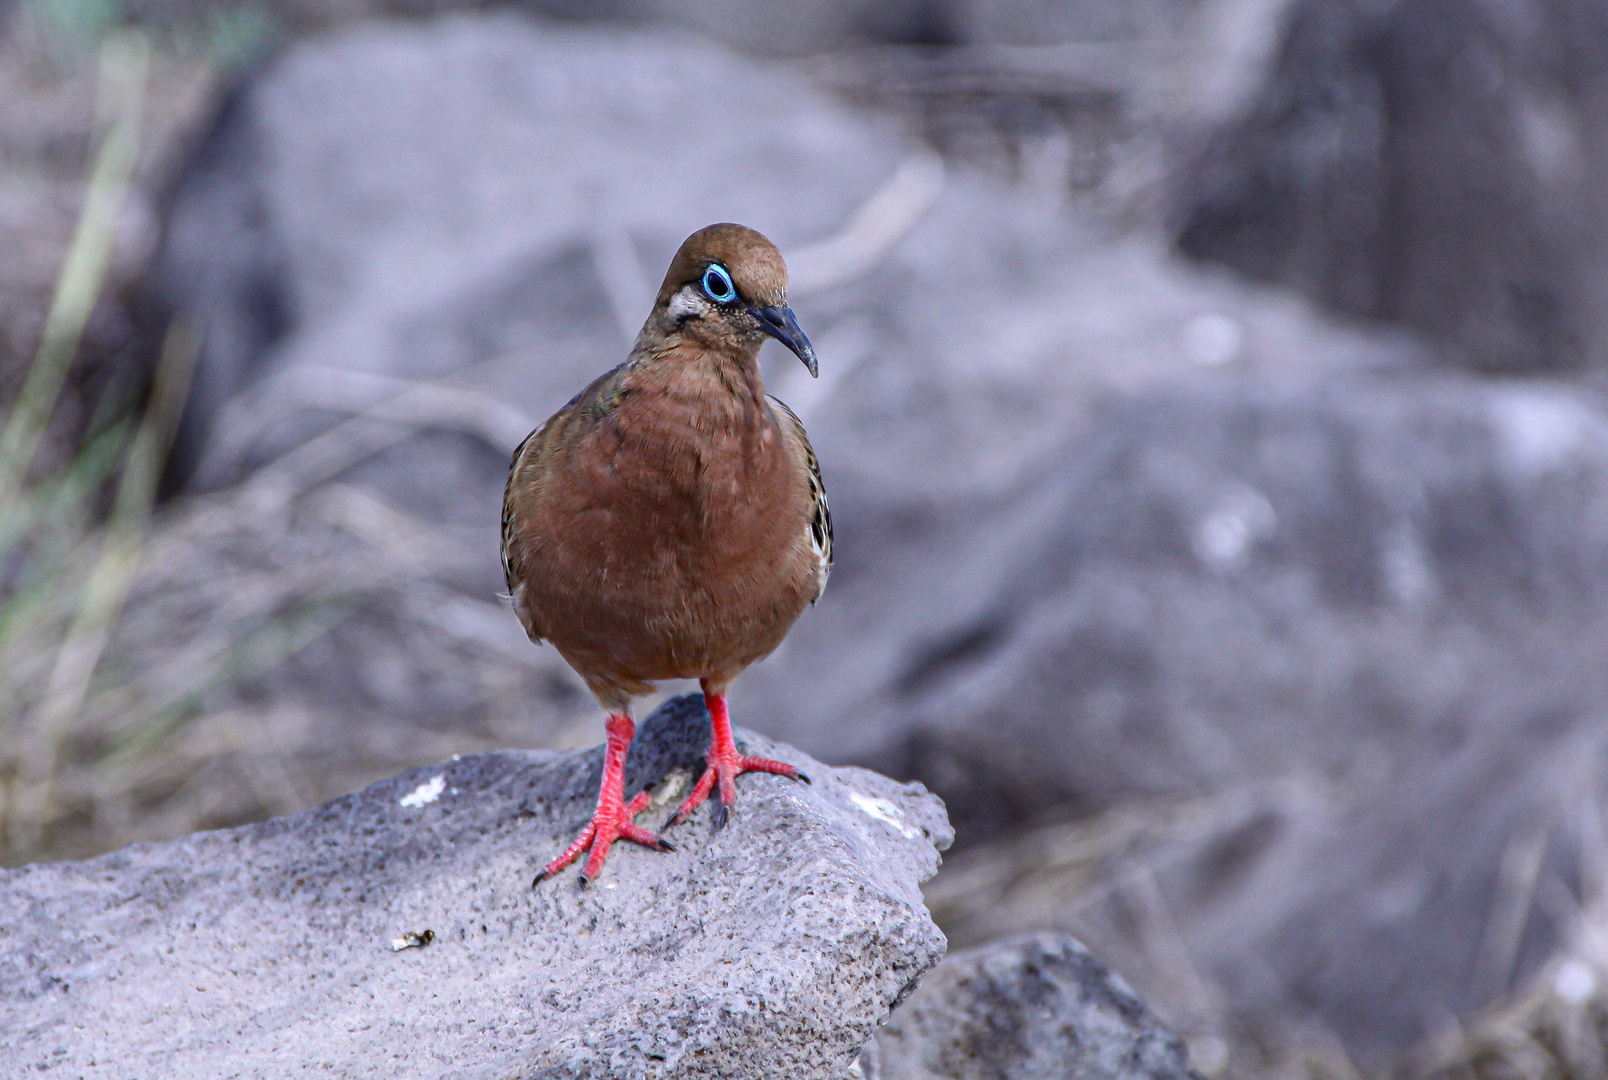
[1030, 1008]
[770, 949]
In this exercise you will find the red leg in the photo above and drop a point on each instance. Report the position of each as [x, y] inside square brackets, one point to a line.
[725, 764]
[612, 819]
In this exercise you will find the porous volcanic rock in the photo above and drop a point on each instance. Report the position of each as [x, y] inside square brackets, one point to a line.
[1038, 1007]
[772, 948]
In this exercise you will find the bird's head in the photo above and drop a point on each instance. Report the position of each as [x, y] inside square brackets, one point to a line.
[729, 282]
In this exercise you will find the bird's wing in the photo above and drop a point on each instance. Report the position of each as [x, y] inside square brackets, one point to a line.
[821, 514]
[513, 555]
[590, 405]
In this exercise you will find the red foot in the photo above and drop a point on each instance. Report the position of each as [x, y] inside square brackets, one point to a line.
[612, 819]
[725, 764]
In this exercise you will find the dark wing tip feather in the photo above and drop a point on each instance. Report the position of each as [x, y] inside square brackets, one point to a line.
[821, 515]
[512, 557]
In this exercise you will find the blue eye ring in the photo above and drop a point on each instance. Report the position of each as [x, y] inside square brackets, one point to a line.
[717, 284]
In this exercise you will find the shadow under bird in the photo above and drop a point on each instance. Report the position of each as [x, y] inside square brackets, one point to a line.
[669, 522]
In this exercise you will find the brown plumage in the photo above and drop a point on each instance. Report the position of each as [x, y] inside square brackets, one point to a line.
[669, 522]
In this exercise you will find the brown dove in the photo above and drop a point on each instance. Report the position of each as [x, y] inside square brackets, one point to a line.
[669, 522]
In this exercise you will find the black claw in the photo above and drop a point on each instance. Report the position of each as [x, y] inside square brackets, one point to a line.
[804, 776]
[665, 845]
[541, 876]
[722, 812]
[585, 881]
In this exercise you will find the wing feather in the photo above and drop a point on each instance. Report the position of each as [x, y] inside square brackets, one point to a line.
[821, 513]
[591, 405]
[513, 555]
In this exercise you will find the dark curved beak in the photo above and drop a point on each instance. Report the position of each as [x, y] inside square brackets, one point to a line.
[780, 323]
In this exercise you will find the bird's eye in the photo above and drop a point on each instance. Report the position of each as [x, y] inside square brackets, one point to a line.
[717, 283]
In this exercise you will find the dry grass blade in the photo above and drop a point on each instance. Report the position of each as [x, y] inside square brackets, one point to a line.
[120, 103]
[106, 590]
[53, 519]
[160, 670]
[1556, 1027]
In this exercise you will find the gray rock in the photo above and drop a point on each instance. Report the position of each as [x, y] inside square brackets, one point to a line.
[1031, 1008]
[1315, 665]
[764, 28]
[770, 949]
[1429, 162]
[332, 232]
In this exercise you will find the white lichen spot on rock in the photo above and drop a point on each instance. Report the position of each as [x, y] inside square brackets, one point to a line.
[427, 792]
[885, 811]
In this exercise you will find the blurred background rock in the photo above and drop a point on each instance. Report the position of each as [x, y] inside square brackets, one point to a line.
[1211, 403]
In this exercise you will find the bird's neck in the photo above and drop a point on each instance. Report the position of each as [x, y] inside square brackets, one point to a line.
[717, 373]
